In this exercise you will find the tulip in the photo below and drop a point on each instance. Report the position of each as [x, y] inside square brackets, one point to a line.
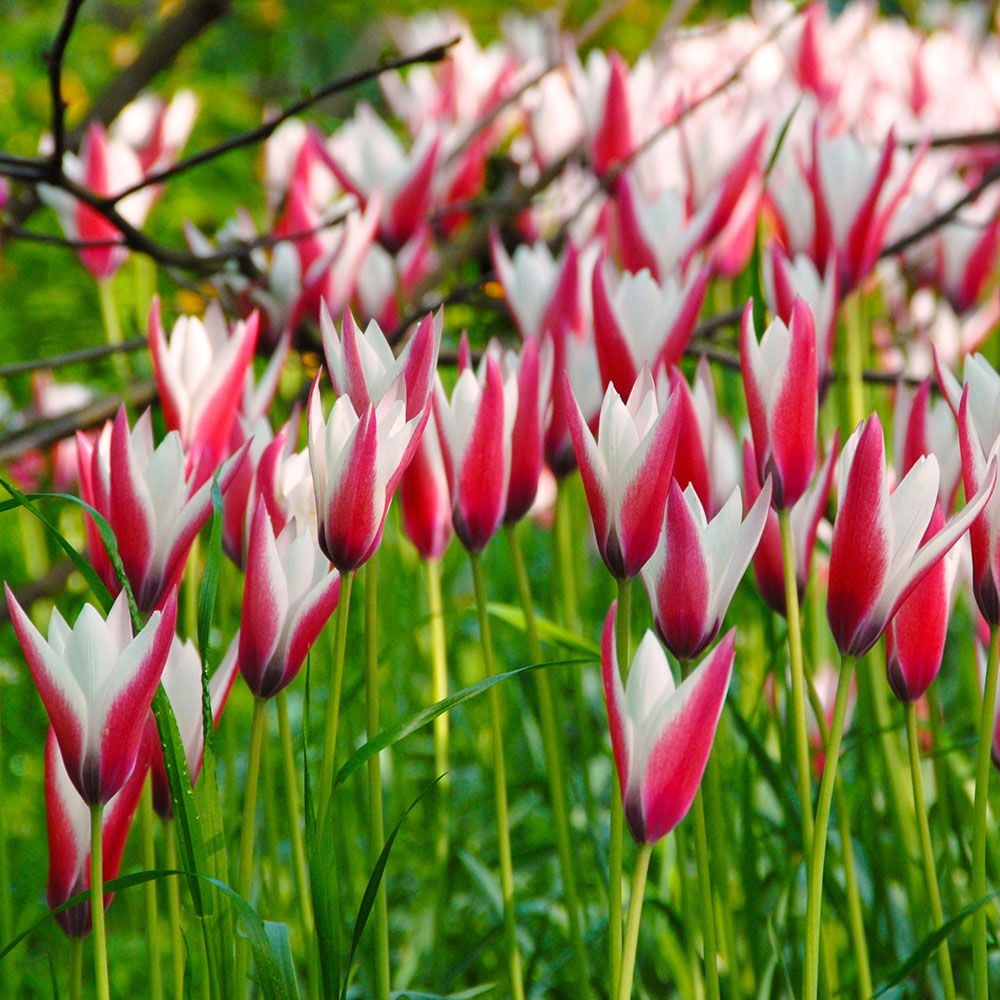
[604, 89]
[97, 683]
[475, 429]
[357, 461]
[877, 555]
[915, 635]
[154, 508]
[922, 428]
[661, 734]
[363, 367]
[156, 130]
[68, 822]
[626, 472]
[780, 380]
[290, 594]
[642, 321]
[200, 374]
[182, 682]
[424, 499]
[697, 565]
[804, 517]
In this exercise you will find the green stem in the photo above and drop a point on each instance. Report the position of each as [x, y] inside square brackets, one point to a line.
[616, 836]
[290, 774]
[980, 967]
[818, 852]
[854, 359]
[564, 556]
[257, 731]
[926, 850]
[711, 959]
[500, 788]
[554, 765]
[8, 972]
[634, 916]
[798, 677]
[97, 901]
[333, 701]
[112, 327]
[76, 968]
[376, 823]
[174, 911]
[152, 928]
[855, 913]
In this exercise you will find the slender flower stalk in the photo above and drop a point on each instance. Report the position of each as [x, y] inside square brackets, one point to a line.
[500, 788]
[376, 825]
[174, 910]
[798, 678]
[76, 969]
[97, 901]
[555, 765]
[258, 729]
[980, 967]
[152, 927]
[290, 776]
[817, 855]
[926, 849]
[634, 917]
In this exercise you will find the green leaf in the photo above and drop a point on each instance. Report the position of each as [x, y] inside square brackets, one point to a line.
[389, 737]
[277, 937]
[929, 945]
[547, 629]
[470, 994]
[371, 889]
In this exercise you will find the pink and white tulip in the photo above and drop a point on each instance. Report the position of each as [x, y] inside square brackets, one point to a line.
[424, 500]
[97, 682]
[697, 564]
[780, 379]
[661, 734]
[878, 553]
[626, 471]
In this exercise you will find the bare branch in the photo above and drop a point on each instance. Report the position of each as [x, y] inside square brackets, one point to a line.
[52, 583]
[256, 135]
[72, 357]
[54, 58]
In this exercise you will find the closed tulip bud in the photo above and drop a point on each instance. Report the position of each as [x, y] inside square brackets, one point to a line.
[661, 734]
[780, 380]
[423, 496]
[97, 683]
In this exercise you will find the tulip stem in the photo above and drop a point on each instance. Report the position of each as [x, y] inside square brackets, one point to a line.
[152, 927]
[97, 900]
[257, 732]
[616, 834]
[634, 916]
[554, 765]
[796, 660]
[564, 556]
[710, 944]
[930, 873]
[817, 856]
[291, 780]
[376, 823]
[112, 327]
[333, 701]
[76, 968]
[500, 788]
[8, 983]
[980, 967]
[174, 911]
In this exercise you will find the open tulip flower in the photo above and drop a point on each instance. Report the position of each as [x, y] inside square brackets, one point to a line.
[182, 682]
[879, 552]
[780, 379]
[475, 428]
[357, 460]
[154, 507]
[200, 374]
[97, 683]
[626, 471]
[68, 824]
[661, 734]
[363, 366]
[290, 594]
[697, 565]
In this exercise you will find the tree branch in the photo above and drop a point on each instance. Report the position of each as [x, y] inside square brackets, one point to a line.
[54, 58]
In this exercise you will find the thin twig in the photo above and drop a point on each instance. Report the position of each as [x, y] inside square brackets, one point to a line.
[256, 135]
[54, 58]
[72, 357]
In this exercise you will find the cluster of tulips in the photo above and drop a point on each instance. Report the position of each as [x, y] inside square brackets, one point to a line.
[790, 192]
